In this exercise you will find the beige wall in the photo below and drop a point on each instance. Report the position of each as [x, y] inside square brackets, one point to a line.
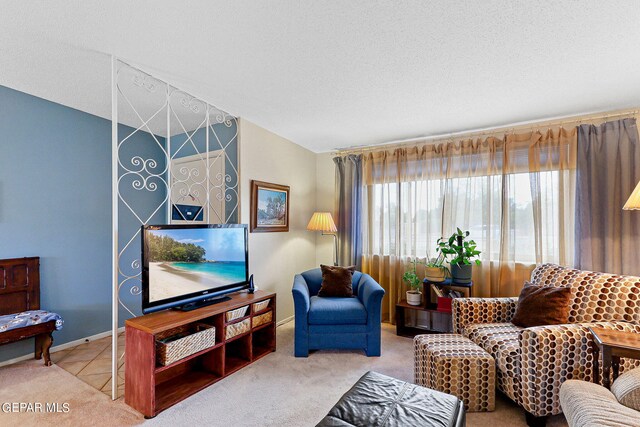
[325, 201]
[274, 258]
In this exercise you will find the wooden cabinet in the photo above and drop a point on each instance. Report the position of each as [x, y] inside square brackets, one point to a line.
[151, 387]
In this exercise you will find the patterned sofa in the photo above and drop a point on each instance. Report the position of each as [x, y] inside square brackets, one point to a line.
[532, 363]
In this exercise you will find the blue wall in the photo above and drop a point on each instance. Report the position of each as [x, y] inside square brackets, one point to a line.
[144, 203]
[55, 202]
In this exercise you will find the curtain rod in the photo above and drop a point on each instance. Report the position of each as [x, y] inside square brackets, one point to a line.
[528, 125]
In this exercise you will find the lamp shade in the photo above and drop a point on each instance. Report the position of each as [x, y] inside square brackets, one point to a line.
[633, 203]
[322, 221]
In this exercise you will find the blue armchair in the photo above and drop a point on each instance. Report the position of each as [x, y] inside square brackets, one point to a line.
[330, 323]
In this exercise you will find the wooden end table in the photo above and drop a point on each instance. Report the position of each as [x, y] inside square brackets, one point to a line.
[613, 345]
[466, 289]
[440, 321]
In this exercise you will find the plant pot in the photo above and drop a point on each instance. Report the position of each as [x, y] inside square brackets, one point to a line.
[434, 274]
[414, 297]
[461, 273]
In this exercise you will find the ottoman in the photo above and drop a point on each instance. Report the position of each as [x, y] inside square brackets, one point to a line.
[377, 400]
[454, 364]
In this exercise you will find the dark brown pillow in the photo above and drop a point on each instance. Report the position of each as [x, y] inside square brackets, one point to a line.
[336, 281]
[538, 305]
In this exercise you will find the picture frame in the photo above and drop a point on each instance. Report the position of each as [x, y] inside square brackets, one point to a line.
[269, 207]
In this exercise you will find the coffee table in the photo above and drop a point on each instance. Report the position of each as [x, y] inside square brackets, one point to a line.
[613, 345]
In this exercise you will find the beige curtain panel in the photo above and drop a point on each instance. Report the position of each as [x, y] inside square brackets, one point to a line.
[514, 194]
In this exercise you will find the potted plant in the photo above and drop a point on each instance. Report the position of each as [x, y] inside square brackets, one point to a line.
[462, 253]
[414, 296]
[435, 270]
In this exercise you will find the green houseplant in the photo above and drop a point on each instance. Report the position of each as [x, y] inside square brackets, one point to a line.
[414, 295]
[461, 252]
[435, 270]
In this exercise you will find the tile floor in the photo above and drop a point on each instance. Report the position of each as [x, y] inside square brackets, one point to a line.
[91, 362]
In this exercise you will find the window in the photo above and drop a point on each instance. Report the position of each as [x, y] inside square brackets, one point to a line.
[407, 218]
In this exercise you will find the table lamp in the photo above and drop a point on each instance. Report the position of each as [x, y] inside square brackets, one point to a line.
[633, 203]
[323, 221]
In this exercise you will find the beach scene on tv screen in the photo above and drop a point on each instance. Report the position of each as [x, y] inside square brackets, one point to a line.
[183, 261]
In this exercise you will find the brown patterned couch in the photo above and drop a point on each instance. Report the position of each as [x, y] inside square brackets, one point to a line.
[532, 363]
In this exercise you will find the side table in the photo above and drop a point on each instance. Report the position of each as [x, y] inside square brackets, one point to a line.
[466, 289]
[439, 321]
[613, 345]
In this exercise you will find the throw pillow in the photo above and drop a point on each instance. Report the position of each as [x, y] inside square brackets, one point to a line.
[336, 281]
[626, 388]
[539, 305]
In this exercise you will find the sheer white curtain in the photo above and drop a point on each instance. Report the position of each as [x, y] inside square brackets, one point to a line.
[514, 194]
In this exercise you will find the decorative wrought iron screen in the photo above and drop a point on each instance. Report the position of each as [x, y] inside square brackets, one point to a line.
[175, 160]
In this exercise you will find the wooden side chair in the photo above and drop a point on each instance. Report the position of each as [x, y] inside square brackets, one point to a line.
[20, 314]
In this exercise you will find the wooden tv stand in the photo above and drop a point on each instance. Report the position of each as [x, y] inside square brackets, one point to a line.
[151, 387]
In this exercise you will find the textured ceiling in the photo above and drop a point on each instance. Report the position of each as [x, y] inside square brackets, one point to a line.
[329, 74]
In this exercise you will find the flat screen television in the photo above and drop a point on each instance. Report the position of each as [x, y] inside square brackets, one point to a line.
[187, 266]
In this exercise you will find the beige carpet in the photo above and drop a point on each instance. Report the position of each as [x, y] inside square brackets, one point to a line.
[278, 390]
[281, 390]
[33, 383]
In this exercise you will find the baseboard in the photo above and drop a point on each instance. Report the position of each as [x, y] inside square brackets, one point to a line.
[62, 346]
[283, 321]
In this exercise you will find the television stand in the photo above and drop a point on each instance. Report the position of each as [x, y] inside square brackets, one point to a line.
[151, 386]
[203, 303]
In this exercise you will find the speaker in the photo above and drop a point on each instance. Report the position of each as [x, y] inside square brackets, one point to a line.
[251, 287]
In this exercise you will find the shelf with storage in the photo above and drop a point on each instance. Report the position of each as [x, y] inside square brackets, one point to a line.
[466, 289]
[263, 340]
[169, 393]
[181, 380]
[408, 320]
[151, 387]
[160, 368]
[237, 353]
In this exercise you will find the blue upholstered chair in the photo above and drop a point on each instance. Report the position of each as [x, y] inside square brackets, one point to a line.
[332, 323]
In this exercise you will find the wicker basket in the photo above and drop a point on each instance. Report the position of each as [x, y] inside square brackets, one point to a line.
[196, 338]
[236, 329]
[237, 313]
[262, 319]
[259, 306]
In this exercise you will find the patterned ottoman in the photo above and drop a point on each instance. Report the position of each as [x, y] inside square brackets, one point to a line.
[453, 364]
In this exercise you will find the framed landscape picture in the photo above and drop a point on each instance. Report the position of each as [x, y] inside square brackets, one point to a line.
[269, 207]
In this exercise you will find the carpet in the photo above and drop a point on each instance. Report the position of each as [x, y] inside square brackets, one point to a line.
[277, 390]
[281, 390]
[55, 397]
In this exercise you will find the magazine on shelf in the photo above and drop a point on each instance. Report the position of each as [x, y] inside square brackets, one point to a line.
[437, 290]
